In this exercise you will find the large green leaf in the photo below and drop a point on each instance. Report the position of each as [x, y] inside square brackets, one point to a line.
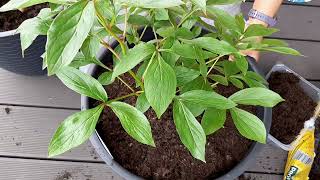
[282, 50]
[199, 83]
[133, 58]
[106, 78]
[258, 30]
[74, 130]
[67, 33]
[189, 130]
[161, 14]
[152, 3]
[31, 28]
[249, 125]
[160, 85]
[212, 120]
[82, 83]
[207, 99]
[134, 122]
[185, 75]
[19, 4]
[223, 2]
[224, 18]
[90, 46]
[256, 96]
[220, 79]
[200, 3]
[213, 45]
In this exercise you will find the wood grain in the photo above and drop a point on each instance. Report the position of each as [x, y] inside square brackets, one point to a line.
[295, 22]
[256, 176]
[28, 169]
[26, 132]
[35, 91]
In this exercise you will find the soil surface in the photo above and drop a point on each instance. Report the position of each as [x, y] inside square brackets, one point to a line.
[170, 159]
[12, 19]
[289, 116]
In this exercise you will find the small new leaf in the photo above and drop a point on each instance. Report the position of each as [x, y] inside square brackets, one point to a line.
[189, 130]
[249, 125]
[75, 130]
[142, 103]
[256, 96]
[106, 78]
[134, 122]
[82, 83]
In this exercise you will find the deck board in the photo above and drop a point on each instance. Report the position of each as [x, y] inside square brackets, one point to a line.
[26, 132]
[36, 91]
[256, 176]
[295, 22]
[29, 169]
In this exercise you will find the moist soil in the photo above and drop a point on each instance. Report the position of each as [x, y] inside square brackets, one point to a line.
[170, 159]
[12, 19]
[290, 115]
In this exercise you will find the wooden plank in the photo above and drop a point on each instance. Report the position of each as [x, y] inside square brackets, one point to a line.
[308, 66]
[316, 83]
[256, 176]
[36, 91]
[29, 169]
[295, 22]
[26, 132]
[270, 160]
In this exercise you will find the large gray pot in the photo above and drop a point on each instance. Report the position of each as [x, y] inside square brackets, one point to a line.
[11, 57]
[263, 113]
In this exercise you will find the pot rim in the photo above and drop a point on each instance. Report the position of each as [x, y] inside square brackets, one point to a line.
[235, 172]
[9, 33]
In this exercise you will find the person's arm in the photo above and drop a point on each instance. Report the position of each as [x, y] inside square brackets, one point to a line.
[267, 7]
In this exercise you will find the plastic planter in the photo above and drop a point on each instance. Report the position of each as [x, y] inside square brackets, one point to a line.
[11, 57]
[264, 114]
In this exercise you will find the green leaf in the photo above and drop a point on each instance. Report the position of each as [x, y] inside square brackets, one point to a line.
[224, 18]
[274, 42]
[195, 109]
[200, 58]
[189, 130]
[82, 83]
[196, 31]
[220, 79]
[249, 125]
[67, 33]
[106, 78]
[242, 63]
[213, 45]
[74, 130]
[253, 83]
[166, 31]
[169, 57]
[258, 30]
[184, 33]
[90, 46]
[160, 85]
[105, 8]
[240, 20]
[20, 4]
[152, 3]
[223, 2]
[256, 96]
[31, 28]
[200, 3]
[230, 68]
[212, 120]
[185, 75]
[197, 84]
[142, 103]
[80, 60]
[134, 122]
[161, 14]
[236, 82]
[256, 76]
[133, 57]
[207, 99]
[282, 50]
[138, 20]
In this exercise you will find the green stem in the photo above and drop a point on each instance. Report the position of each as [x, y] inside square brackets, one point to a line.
[126, 96]
[215, 61]
[186, 17]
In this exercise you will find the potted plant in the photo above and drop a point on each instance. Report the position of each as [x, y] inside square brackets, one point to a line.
[171, 70]
[23, 57]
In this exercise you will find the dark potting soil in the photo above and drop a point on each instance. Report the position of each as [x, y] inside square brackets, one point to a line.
[170, 159]
[12, 19]
[289, 116]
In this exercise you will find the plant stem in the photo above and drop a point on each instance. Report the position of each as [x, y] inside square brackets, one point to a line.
[125, 23]
[126, 96]
[144, 30]
[186, 17]
[214, 84]
[106, 45]
[215, 61]
[155, 36]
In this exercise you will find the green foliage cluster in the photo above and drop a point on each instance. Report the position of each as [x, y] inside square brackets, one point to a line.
[177, 67]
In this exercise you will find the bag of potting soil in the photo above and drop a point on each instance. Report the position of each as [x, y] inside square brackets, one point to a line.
[301, 157]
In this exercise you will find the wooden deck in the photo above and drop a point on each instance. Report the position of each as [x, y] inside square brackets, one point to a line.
[32, 107]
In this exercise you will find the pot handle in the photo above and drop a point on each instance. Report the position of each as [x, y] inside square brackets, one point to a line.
[254, 65]
[273, 141]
